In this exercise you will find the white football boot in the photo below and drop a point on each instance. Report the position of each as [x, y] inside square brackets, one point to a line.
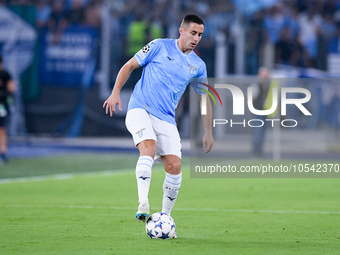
[143, 211]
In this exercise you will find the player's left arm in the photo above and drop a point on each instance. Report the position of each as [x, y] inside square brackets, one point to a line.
[208, 139]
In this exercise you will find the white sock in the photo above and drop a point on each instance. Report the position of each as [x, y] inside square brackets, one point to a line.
[143, 176]
[171, 186]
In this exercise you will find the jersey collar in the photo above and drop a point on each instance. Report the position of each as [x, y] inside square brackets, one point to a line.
[183, 54]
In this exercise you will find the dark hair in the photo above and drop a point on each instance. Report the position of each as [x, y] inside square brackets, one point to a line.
[192, 18]
[0, 59]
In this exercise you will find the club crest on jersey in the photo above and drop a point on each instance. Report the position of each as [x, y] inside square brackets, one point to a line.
[140, 132]
[192, 69]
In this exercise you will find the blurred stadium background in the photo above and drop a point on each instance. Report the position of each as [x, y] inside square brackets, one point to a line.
[65, 55]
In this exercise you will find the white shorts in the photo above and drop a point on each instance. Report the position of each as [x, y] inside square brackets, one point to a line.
[143, 126]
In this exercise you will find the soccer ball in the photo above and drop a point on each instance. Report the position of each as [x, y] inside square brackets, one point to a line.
[160, 226]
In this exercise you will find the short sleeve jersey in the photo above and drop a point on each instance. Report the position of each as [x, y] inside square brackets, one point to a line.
[166, 74]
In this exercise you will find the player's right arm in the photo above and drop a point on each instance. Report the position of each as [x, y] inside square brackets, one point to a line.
[122, 77]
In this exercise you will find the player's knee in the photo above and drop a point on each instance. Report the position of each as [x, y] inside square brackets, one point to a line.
[147, 148]
[173, 167]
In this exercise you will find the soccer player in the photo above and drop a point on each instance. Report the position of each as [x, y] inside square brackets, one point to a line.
[7, 87]
[169, 66]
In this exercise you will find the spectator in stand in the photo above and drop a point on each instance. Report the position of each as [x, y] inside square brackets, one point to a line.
[291, 20]
[273, 23]
[300, 56]
[142, 30]
[330, 7]
[327, 39]
[284, 47]
[309, 23]
[253, 46]
[21, 2]
[92, 14]
[57, 22]
[76, 14]
[43, 12]
[329, 30]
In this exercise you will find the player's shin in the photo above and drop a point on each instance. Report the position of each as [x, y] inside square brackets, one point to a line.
[171, 186]
[143, 176]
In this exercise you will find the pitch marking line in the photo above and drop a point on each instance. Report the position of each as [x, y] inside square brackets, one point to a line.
[67, 176]
[177, 209]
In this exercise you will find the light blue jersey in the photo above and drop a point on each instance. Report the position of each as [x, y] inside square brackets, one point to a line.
[167, 72]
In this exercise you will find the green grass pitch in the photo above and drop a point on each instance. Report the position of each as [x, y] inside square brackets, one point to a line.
[92, 211]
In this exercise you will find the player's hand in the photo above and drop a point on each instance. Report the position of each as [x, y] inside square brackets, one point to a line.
[208, 142]
[111, 102]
